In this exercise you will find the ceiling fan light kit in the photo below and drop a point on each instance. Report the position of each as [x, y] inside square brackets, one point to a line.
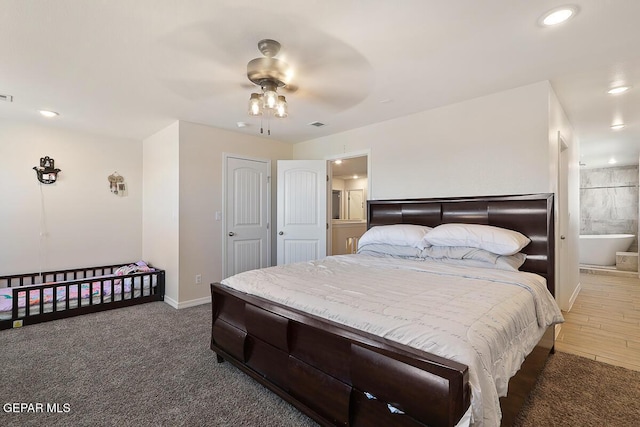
[269, 73]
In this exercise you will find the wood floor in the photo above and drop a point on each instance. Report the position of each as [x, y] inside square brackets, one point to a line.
[604, 322]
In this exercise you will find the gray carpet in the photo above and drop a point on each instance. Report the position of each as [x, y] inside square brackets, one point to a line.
[575, 391]
[150, 365]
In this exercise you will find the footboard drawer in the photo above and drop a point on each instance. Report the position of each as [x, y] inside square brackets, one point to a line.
[230, 338]
[368, 411]
[267, 360]
[320, 391]
[417, 389]
[267, 326]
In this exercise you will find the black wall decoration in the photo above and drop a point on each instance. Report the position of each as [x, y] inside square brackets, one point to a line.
[47, 173]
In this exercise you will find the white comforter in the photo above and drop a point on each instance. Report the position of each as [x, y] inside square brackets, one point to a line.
[487, 319]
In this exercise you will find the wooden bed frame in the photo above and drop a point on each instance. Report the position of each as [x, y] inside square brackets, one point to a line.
[52, 281]
[328, 370]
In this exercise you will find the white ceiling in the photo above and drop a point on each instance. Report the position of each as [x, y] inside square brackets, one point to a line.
[129, 68]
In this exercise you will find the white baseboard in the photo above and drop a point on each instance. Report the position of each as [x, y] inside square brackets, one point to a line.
[186, 304]
[574, 295]
[173, 303]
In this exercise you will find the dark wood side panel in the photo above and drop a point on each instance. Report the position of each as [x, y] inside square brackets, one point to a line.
[386, 214]
[421, 213]
[523, 382]
[474, 212]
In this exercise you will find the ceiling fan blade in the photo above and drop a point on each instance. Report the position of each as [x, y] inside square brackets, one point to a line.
[200, 90]
[290, 88]
[333, 100]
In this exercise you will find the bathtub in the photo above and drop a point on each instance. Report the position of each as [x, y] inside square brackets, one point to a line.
[600, 249]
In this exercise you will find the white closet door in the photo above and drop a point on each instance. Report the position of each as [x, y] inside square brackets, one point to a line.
[247, 215]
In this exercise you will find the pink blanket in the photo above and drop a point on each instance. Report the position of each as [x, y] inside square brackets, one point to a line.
[6, 294]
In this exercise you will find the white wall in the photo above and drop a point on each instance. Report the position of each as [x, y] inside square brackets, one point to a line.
[160, 206]
[496, 144]
[567, 270]
[77, 221]
[499, 144]
[201, 190]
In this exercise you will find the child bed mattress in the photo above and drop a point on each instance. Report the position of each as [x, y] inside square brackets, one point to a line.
[99, 294]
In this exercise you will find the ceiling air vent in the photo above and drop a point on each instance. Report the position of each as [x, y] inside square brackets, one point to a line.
[316, 124]
[7, 98]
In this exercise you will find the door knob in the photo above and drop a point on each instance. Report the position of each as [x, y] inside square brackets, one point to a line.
[562, 237]
[231, 233]
[281, 233]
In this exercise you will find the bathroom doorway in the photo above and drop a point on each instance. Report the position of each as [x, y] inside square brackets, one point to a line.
[349, 187]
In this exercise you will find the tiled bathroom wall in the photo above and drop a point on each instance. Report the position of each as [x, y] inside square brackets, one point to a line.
[609, 201]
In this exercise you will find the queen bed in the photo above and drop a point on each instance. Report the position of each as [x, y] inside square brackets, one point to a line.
[428, 324]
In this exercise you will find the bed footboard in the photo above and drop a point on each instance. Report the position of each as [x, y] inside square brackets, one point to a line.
[335, 374]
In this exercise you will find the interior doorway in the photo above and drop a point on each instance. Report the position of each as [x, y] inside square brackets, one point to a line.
[349, 187]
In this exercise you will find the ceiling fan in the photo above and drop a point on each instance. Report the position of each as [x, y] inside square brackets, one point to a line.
[270, 73]
[325, 76]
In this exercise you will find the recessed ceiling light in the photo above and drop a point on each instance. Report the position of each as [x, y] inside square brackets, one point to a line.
[355, 176]
[338, 162]
[49, 114]
[242, 124]
[618, 89]
[558, 15]
[612, 161]
[617, 126]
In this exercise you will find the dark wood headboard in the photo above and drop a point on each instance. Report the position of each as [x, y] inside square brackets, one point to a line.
[530, 214]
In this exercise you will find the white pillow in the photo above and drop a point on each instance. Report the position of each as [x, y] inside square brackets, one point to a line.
[459, 252]
[504, 262]
[394, 251]
[396, 234]
[498, 240]
[474, 257]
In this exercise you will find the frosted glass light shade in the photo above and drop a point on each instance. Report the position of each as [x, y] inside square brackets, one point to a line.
[255, 108]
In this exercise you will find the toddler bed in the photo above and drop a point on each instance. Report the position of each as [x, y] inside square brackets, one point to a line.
[38, 297]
